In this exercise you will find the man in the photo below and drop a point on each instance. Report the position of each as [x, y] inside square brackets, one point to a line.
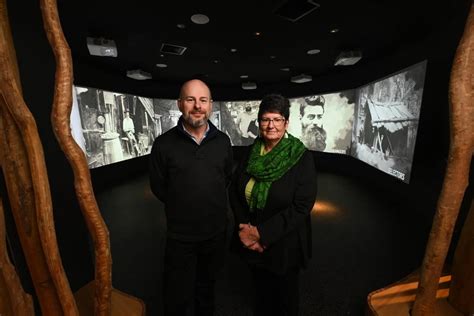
[129, 129]
[127, 124]
[190, 169]
[313, 134]
[243, 121]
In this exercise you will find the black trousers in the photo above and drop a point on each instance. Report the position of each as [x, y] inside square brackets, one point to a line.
[276, 295]
[190, 275]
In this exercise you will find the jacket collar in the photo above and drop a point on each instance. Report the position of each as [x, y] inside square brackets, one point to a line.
[209, 134]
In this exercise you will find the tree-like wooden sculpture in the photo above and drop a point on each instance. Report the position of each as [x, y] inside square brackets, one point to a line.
[461, 293]
[13, 300]
[82, 181]
[107, 301]
[461, 94]
[28, 186]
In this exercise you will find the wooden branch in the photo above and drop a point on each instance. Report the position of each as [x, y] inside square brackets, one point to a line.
[19, 302]
[461, 293]
[456, 177]
[28, 186]
[82, 182]
[18, 181]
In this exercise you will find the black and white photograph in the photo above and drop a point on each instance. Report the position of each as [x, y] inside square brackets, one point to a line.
[324, 122]
[387, 121]
[168, 113]
[114, 126]
[239, 121]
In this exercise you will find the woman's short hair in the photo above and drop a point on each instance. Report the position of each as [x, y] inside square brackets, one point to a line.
[274, 103]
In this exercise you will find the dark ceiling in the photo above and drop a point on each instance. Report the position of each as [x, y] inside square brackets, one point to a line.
[139, 28]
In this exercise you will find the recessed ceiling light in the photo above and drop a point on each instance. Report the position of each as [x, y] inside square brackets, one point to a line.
[200, 19]
[335, 30]
[161, 55]
[257, 33]
[216, 61]
[172, 49]
[272, 57]
[161, 65]
[181, 26]
[285, 69]
[244, 76]
[233, 50]
[313, 51]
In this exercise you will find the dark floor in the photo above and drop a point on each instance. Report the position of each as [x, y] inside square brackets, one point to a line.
[363, 239]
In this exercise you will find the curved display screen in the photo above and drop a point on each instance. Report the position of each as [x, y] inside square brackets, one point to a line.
[386, 123]
[376, 123]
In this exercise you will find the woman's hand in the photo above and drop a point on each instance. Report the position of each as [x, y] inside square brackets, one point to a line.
[250, 237]
[257, 247]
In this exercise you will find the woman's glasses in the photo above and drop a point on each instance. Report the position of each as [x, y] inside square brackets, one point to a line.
[278, 121]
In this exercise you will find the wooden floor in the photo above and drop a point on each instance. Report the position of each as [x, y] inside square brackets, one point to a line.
[363, 239]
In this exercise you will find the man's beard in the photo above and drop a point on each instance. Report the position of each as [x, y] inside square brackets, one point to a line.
[314, 138]
[196, 122]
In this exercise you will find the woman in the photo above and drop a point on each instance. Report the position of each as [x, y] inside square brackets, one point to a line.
[272, 194]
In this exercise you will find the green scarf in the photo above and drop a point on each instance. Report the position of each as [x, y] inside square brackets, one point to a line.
[271, 167]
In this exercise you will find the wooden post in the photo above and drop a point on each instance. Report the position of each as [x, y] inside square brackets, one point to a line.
[62, 105]
[457, 171]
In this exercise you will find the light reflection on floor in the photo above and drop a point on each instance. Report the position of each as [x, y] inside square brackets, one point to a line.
[326, 207]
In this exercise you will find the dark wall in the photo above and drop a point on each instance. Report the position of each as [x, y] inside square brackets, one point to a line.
[37, 65]
[433, 132]
[432, 143]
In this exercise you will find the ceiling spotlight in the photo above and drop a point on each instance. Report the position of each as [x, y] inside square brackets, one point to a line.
[161, 65]
[335, 30]
[200, 19]
[249, 85]
[272, 57]
[244, 76]
[138, 74]
[215, 61]
[233, 50]
[313, 51]
[285, 69]
[301, 78]
[257, 33]
[181, 26]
